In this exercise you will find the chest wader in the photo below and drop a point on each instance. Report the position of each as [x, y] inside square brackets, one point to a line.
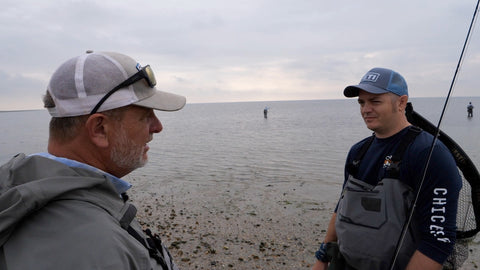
[370, 218]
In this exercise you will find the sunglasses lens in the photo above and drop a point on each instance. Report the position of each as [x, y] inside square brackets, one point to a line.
[150, 76]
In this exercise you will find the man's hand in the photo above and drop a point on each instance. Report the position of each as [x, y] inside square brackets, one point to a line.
[320, 265]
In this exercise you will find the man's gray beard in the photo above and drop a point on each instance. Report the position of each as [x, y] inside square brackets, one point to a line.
[127, 155]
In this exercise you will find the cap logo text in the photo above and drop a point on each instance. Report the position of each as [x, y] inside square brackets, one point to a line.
[371, 77]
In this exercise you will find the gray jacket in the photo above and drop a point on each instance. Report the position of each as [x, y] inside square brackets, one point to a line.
[53, 216]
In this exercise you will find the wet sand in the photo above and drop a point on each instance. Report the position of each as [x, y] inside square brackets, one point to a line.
[243, 225]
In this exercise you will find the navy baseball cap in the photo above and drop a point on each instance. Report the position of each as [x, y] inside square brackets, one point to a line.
[379, 81]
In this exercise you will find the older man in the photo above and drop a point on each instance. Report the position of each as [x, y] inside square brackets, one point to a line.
[67, 209]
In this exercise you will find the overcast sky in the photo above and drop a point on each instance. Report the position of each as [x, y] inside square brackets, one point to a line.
[243, 50]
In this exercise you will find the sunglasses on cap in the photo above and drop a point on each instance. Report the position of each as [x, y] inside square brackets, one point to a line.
[144, 73]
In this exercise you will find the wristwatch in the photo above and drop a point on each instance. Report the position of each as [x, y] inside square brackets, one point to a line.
[321, 253]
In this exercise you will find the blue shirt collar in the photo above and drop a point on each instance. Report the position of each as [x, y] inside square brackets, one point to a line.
[120, 185]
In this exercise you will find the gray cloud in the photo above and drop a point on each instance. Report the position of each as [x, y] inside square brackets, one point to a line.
[242, 50]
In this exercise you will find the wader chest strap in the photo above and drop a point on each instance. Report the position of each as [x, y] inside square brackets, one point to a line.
[352, 168]
[394, 170]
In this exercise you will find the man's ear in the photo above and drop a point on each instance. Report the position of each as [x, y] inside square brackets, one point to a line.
[97, 126]
[402, 102]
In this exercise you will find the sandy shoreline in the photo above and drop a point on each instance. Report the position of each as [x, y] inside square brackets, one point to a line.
[242, 225]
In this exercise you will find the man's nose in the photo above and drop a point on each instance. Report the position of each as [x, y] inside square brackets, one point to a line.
[156, 125]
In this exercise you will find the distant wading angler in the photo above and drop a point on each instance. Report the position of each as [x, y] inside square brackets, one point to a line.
[382, 175]
[470, 110]
[67, 209]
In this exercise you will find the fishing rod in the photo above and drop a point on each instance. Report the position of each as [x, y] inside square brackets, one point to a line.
[437, 132]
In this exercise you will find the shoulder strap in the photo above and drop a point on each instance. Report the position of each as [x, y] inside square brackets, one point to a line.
[152, 243]
[393, 171]
[128, 216]
[352, 168]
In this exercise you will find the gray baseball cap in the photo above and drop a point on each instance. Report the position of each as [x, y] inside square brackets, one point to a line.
[79, 84]
[379, 81]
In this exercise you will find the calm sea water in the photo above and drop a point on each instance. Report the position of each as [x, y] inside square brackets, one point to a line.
[300, 140]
